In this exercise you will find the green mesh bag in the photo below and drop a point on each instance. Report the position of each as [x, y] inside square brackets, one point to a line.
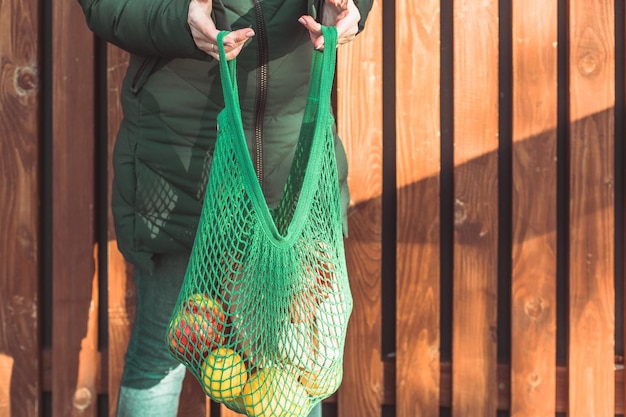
[262, 315]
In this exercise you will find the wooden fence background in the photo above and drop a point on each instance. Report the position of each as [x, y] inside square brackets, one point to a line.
[486, 248]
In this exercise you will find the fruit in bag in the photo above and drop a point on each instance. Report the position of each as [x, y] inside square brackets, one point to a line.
[321, 384]
[197, 328]
[223, 374]
[274, 392]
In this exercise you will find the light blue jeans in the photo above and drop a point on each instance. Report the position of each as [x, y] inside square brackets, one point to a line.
[152, 379]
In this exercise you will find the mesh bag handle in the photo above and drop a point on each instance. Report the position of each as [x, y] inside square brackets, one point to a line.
[317, 117]
[262, 314]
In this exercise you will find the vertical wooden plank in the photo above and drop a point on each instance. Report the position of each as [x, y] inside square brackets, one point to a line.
[121, 314]
[6, 362]
[474, 389]
[193, 401]
[121, 291]
[19, 212]
[621, 393]
[417, 175]
[87, 381]
[359, 121]
[533, 294]
[73, 235]
[225, 412]
[591, 208]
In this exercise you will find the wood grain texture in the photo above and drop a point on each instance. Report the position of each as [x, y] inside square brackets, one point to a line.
[504, 387]
[193, 401]
[121, 290]
[121, 309]
[533, 294]
[473, 384]
[87, 381]
[417, 173]
[73, 203]
[359, 121]
[591, 208]
[6, 364]
[389, 395]
[474, 389]
[20, 240]
[225, 412]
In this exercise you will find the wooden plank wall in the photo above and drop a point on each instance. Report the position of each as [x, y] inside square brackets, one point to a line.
[591, 233]
[475, 207]
[20, 181]
[120, 289]
[482, 143]
[418, 183]
[534, 178]
[74, 340]
[363, 388]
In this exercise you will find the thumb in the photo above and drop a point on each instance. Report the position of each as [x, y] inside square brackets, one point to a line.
[315, 30]
[310, 23]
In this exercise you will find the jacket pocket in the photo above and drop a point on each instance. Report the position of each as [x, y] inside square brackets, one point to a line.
[145, 69]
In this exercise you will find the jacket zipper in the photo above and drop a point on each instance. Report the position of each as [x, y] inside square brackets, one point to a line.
[261, 98]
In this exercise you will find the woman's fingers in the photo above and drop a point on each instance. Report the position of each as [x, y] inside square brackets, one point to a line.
[343, 14]
[233, 43]
[346, 22]
[237, 38]
[205, 33]
[315, 31]
[201, 25]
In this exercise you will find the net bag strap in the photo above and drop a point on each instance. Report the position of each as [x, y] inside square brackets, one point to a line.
[320, 85]
[317, 121]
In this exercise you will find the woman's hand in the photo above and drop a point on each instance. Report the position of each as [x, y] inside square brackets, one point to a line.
[205, 33]
[340, 13]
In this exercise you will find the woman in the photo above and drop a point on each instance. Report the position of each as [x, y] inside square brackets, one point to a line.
[171, 96]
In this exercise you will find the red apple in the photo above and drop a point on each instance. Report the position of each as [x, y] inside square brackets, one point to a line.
[208, 319]
[197, 328]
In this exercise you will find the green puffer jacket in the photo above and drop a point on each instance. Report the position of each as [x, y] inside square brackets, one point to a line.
[171, 96]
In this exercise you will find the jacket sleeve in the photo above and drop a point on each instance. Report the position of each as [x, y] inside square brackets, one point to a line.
[364, 7]
[144, 27]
